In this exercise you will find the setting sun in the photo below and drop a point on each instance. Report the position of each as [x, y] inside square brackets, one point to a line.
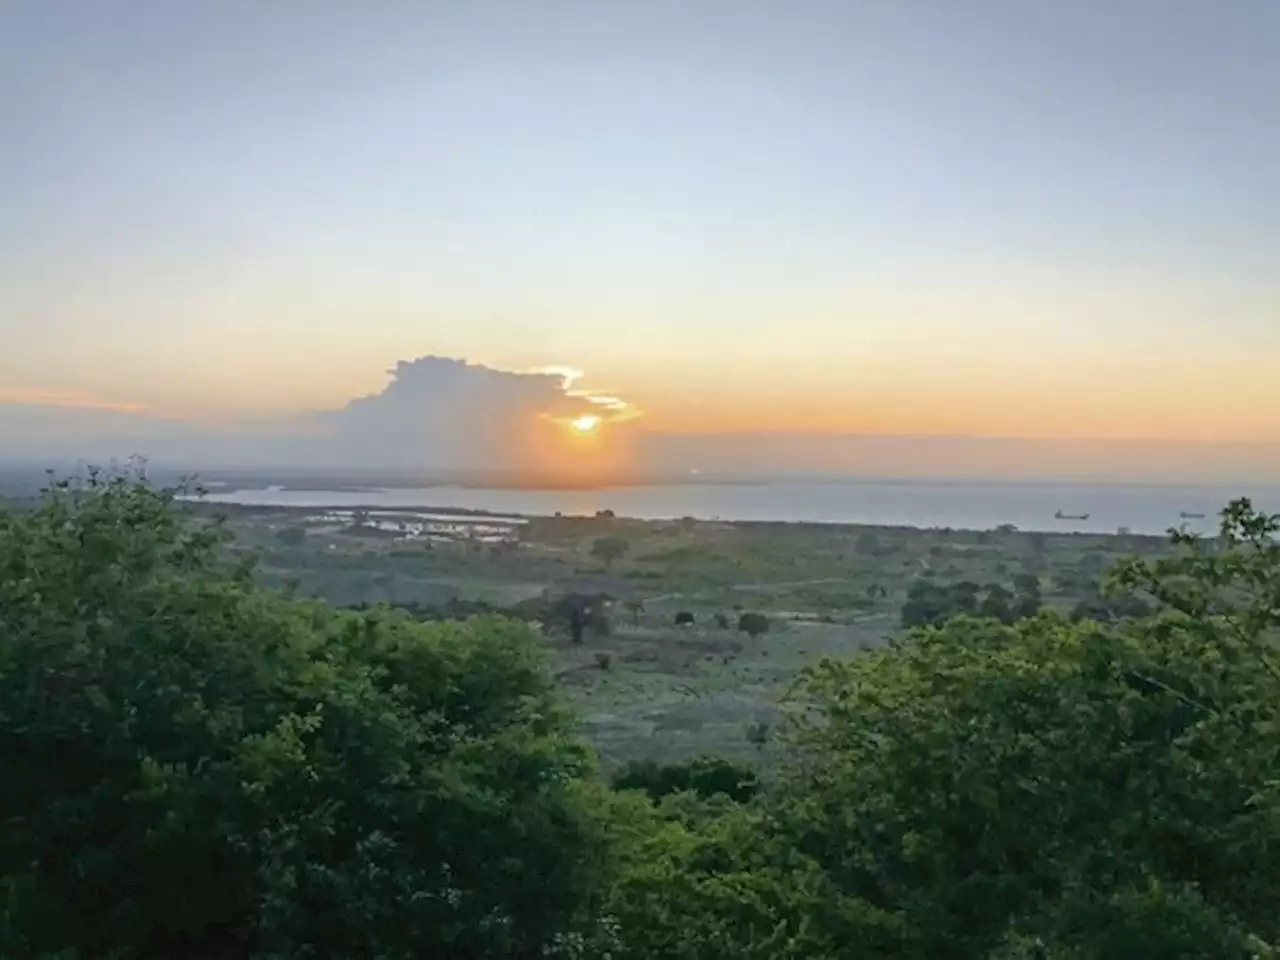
[585, 424]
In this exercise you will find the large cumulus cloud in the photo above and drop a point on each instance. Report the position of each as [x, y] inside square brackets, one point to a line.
[443, 413]
[435, 413]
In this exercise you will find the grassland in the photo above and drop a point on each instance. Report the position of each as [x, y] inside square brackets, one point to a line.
[648, 689]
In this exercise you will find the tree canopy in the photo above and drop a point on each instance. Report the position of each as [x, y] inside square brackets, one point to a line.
[610, 548]
[195, 766]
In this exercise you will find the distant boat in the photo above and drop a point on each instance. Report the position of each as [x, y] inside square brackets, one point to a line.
[1191, 516]
[1070, 516]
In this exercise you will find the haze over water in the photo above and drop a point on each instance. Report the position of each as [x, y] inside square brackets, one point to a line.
[972, 506]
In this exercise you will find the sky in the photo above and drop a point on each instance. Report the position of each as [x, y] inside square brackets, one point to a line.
[977, 218]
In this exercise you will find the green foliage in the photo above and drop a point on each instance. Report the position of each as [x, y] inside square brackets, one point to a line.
[609, 549]
[968, 777]
[1228, 587]
[706, 883]
[705, 776]
[195, 767]
[575, 613]
[1112, 609]
[932, 604]
[1143, 920]
[753, 624]
[1114, 789]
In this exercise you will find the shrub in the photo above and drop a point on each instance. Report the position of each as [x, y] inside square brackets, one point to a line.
[194, 766]
[610, 549]
[1095, 786]
[705, 776]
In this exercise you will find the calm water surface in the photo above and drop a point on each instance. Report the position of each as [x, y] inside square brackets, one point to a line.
[973, 506]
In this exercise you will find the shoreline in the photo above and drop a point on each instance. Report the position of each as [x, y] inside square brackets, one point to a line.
[519, 517]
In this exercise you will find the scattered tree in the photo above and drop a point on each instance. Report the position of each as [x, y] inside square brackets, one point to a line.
[932, 604]
[997, 604]
[577, 613]
[610, 549]
[1027, 583]
[705, 776]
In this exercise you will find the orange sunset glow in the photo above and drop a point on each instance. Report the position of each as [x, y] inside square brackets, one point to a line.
[647, 480]
[809, 240]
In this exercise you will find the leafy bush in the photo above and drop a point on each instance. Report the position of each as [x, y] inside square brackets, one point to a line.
[575, 612]
[699, 883]
[609, 549]
[705, 776]
[970, 775]
[196, 767]
[932, 604]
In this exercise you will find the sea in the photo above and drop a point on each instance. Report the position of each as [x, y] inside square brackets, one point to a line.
[1139, 509]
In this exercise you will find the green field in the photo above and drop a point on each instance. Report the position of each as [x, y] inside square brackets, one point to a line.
[648, 689]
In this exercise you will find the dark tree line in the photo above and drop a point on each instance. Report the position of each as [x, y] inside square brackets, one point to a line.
[932, 604]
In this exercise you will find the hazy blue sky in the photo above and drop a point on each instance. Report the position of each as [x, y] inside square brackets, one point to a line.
[999, 217]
